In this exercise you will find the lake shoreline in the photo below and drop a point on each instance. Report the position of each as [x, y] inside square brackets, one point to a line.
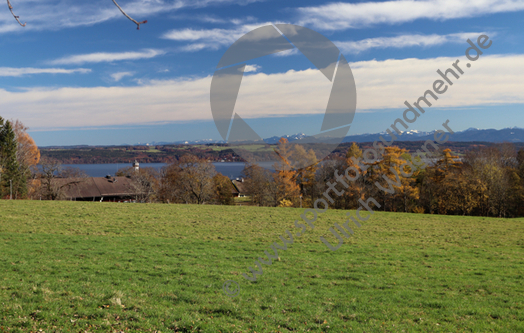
[229, 169]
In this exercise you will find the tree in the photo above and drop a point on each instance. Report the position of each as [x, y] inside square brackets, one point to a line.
[519, 195]
[444, 177]
[17, 18]
[145, 182]
[462, 192]
[305, 174]
[285, 176]
[516, 194]
[52, 179]
[170, 190]
[129, 17]
[190, 179]
[388, 180]
[325, 174]
[197, 177]
[286, 187]
[520, 163]
[436, 183]
[10, 169]
[49, 169]
[258, 184]
[223, 189]
[357, 187]
[408, 193]
[494, 168]
[27, 154]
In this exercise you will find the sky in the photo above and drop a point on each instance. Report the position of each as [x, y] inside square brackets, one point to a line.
[80, 72]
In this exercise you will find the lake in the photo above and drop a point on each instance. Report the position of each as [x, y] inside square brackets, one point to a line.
[229, 169]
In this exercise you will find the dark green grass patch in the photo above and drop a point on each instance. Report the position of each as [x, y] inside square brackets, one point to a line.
[74, 267]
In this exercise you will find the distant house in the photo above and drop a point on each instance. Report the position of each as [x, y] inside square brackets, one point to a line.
[112, 189]
[235, 192]
[240, 188]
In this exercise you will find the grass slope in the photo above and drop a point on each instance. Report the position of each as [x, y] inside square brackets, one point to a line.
[71, 267]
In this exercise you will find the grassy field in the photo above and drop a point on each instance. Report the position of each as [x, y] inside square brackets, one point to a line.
[101, 267]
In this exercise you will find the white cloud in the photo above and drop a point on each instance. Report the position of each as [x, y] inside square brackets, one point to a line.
[287, 53]
[380, 85]
[339, 15]
[212, 39]
[251, 68]
[16, 72]
[207, 38]
[106, 57]
[58, 14]
[120, 75]
[405, 41]
[215, 19]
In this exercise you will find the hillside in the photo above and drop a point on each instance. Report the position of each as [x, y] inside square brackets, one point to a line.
[211, 152]
[129, 267]
[164, 152]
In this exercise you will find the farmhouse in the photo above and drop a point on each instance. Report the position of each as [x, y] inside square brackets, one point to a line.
[112, 189]
[239, 188]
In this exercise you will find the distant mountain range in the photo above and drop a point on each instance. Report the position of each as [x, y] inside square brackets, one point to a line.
[513, 134]
[271, 140]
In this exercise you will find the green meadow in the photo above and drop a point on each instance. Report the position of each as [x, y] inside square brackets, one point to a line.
[105, 267]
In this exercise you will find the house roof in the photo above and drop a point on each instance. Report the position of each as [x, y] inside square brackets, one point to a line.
[240, 186]
[234, 190]
[95, 187]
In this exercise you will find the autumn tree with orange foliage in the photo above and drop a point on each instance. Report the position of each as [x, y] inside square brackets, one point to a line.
[357, 187]
[395, 182]
[435, 183]
[27, 154]
[408, 193]
[285, 177]
[306, 168]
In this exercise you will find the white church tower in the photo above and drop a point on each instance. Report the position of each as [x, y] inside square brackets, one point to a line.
[136, 166]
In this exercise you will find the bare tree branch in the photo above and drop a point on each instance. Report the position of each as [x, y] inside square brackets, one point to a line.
[114, 1]
[129, 17]
[16, 17]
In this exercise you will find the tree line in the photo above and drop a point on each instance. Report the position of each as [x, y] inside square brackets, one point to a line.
[485, 181]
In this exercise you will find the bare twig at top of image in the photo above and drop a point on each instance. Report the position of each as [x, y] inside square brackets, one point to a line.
[129, 17]
[16, 17]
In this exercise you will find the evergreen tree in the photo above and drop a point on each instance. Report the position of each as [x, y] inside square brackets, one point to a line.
[8, 163]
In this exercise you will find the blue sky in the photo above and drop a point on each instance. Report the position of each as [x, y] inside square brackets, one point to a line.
[80, 72]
